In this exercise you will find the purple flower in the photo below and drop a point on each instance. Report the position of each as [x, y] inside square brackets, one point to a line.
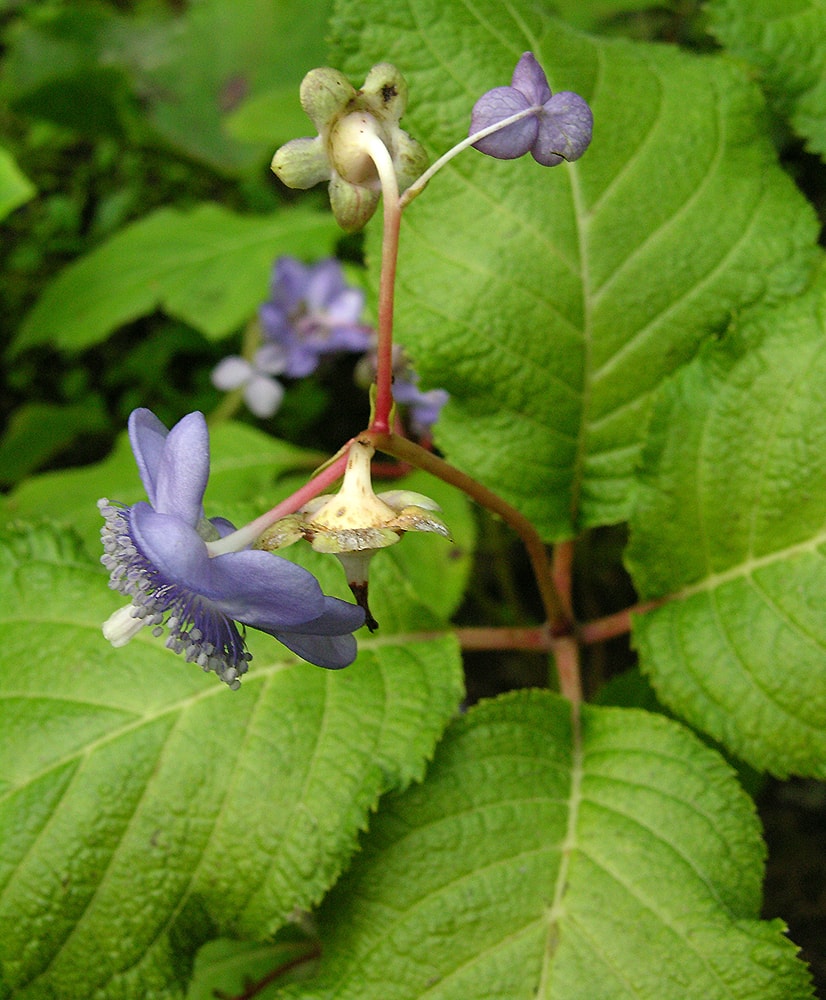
[312, 312]
[423, 408]
[553, 128]
[157, 556]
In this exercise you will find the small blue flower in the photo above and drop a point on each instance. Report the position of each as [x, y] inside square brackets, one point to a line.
[311, 312]
[559, 128]
[157, 556]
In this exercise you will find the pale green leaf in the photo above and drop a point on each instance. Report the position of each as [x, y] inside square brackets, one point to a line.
[541, 862]
[220, 53]
[15, 188]
[729, 526]
[551, 303]
[208, 267]
[786, 41]
[145, 808]
[274, 116]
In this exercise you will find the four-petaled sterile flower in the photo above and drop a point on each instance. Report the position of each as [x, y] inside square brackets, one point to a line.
[356, 522]
[158, 557]
[349, 123]
[312, 311]
[553, 128]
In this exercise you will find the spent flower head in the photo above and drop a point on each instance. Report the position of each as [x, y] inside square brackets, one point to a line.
[356, 522]
[158, 558]
[350, 123]
[311, 312]
[552, 128]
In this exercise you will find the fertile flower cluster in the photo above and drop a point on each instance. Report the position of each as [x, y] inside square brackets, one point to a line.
[353, 127]
[311, 312]
[157, 554]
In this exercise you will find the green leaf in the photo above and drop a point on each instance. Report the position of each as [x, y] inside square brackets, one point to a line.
[590, 15]
[552, 303]
[274, 116]
[729, 526]
[245, 465]
[208, 267]
[39, 431]
[786, 41]
[220, 53]
[15, 188]
[229, 966]
[541, 861]
[62, 65]
[145, 809]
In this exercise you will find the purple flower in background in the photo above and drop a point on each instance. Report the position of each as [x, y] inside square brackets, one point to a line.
[157, 556]
[423, 408]
[558, 128]
[262, 392]
[312, 312]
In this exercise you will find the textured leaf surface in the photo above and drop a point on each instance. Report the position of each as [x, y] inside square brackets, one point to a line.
[144, 808]
[731, 523]
[550, 303]
[535, 863]
[208, 267]
[786, 41]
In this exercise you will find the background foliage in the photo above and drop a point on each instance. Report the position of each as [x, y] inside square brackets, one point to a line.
[633, 350]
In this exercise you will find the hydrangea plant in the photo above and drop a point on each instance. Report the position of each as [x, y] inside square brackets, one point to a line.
[618, 342]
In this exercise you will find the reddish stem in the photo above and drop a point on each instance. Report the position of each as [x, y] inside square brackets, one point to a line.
[562, 565]
[559, 624]
[613, 625]
[537, 638]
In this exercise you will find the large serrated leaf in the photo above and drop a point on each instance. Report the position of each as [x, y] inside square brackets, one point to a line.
[786, 41]
[551, 303]
[208, 267]
[144, 808]
[730, 524]
[541, 862]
